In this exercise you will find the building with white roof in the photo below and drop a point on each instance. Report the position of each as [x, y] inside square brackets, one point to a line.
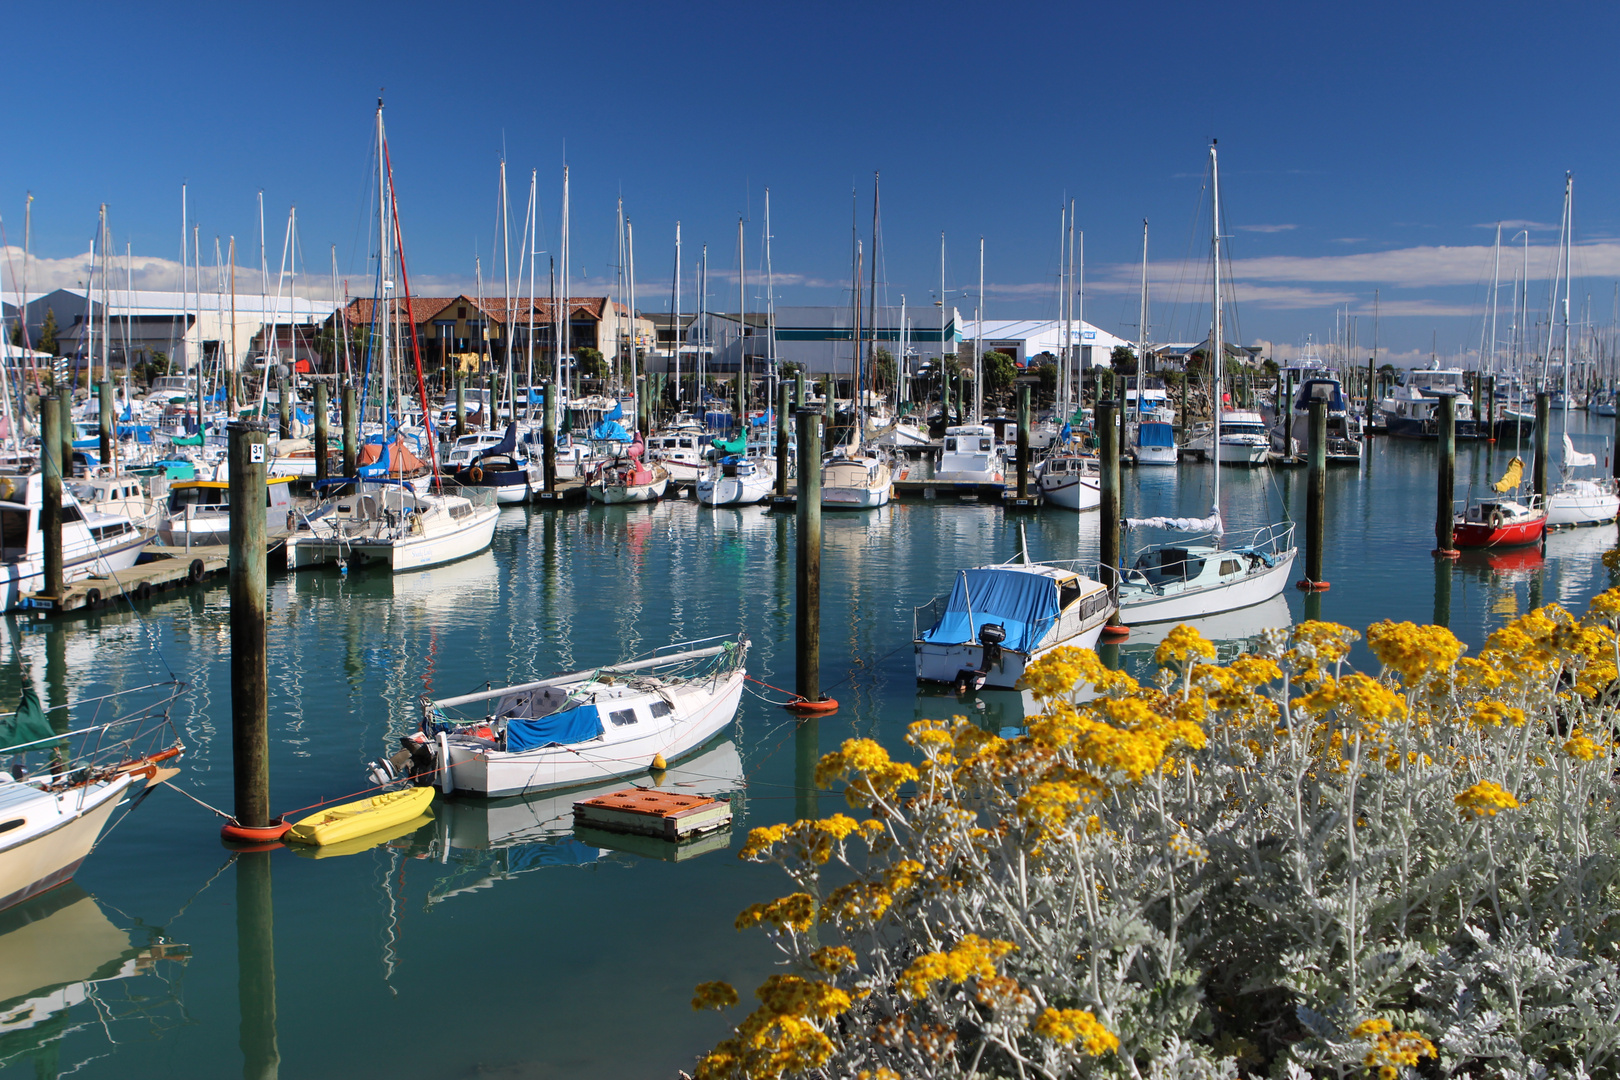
[1026, 339]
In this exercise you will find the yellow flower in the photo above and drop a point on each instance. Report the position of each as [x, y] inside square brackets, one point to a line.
[1393, 1050]
[1484, 799]
[1414, 651]
[1181, 644]
[833, 958]
[972, 956]
[1580, 747]
[1490, 713]
[1064, 669]
[796, 911]
[713, 995]
[1076, 1025]
[872, 774]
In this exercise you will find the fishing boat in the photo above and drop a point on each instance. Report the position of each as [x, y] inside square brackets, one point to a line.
[682, 450]
[1212, 572]
[1069, 479]
[855, 478]
[199, 511]
[576, 728]
[92, 543]
[389, 523]
[501, 466]
[998, 620]
[734, 480]
[60, 788]
[363, 817]
[1412, 410]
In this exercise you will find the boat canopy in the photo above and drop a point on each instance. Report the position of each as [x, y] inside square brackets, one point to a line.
[1155, 434]
[576, 725]
[1025, 604]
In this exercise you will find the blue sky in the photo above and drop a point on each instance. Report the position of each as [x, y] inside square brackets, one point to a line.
[1364, 147]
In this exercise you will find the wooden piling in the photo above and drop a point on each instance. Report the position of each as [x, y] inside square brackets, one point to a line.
[1316, 497]
[1109, 507]
[798, 390]
[104, 397]
[1372, 393]
[1490, 408]
[351, 431]
[784, 393]
[64, 409]
[250, 726]
[50, 518]
[1444, 515]
[323, 431]
[831, 406]
[461, 404]
[1543, 437]
[807, 614]
[548, 431]
[1023, 442]
[284, 406]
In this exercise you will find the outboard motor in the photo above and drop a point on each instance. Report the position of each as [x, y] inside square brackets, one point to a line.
[991, 635]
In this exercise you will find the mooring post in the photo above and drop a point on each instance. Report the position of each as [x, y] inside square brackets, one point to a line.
[798, 391]
[351, 431]
[250, 727]
[548, 433]
[104, 393]
[323, 431]
[256, 967]
[807, 616]
[1444, 515]
[1023, 442]
[1316, 498]
[65, 413]
[784, 395]
[1109, 508]
[284, 407]
[1490, 408]
[50, 518]
[1372, 393]
[1614, 450]
[1543, 437]
[461, 404]
[831, 405]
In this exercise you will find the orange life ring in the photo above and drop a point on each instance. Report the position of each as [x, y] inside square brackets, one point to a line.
[475, 474]
[249, 834]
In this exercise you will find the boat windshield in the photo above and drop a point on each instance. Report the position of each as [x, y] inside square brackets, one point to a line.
[1169, 564]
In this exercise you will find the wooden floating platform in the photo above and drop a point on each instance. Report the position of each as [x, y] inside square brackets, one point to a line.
[568, 493]
[943, 489]
[666, 815]
[1013, 501]
[653, 847]
[172, 568]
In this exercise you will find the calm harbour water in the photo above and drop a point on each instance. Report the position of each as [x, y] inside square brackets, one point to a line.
[491, 942]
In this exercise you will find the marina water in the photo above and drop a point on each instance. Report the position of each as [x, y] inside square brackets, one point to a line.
[491, 941]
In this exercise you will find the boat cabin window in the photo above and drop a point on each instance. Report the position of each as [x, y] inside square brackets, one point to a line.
[1170, 564]
[661, 709]
[984, 444]
[71, 513]
[950, 444]
[14, 823]
[14, 528]
[621, 717]
[1068, 592]
[182, 497]
[1230, 566]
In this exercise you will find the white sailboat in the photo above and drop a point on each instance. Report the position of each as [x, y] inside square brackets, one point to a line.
[1069, 479]
[1576, 500]
[1209, 573]
[734, 480]
[856, 478]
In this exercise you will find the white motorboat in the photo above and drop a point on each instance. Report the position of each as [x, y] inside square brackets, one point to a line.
[1243, 439]
[119, 494]
[905, 431]
[734, 481]
[504, 466]
[92, 543]
[855, 478]
[1154, 443]
[971, 454]
[1069, 480]
[683, 451]
[1199, 577]
[579, 728]
[62, 787]
[199, 511]
[1412, 409]
[389, 523]
[999, 619]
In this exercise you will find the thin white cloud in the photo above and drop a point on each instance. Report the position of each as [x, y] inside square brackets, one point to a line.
[1514, 225]
[1266, 228]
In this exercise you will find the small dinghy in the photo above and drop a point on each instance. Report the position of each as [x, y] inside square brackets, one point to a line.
[336, 824]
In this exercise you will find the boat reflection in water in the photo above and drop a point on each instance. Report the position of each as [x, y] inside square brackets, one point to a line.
[1001, 712]
[1233, 633]
[59, 955]
[479, 842]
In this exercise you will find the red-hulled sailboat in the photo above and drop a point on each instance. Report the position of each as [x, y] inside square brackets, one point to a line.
[1501, 520]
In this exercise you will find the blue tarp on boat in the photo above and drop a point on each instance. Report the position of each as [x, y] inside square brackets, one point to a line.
[610, 431]
[1155, 434]
[1026, 604]
[575, 725]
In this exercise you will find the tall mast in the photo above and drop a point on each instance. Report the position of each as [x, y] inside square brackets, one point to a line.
[770, 308]
[106, 298]
[1142, 324]
[534, 244]
[677, 331]
[618, 300]
[742, 327]
[703, 329]
[1496, 284]
[871, 312]
[978, 346]
[382, 263]
[506, 289]
[1565, 241]
[1064, 310]
[565, 347]
[945, 385]
[1217, 347]
[630, 279]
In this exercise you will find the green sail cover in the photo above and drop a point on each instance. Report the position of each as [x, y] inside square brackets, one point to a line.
[27, 724]
[187, 440]
[736, 446]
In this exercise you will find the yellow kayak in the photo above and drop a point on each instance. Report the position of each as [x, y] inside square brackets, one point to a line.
[336, 824]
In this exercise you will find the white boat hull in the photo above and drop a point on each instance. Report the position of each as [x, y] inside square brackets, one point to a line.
[1156, 455]
[942, 663]
[733, 490]
[842, 498]
[1139, 605]
[52, 849]
[1246, 454]
[27, 575]
[490, 772]
[400, 554]
[1071, 492]
[1587, 504]
[618, 494]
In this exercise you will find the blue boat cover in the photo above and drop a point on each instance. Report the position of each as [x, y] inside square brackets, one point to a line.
[1155, 434]
[376, 468]
[610, 430]
[1026, 604]
[576, 725]
[507, 445]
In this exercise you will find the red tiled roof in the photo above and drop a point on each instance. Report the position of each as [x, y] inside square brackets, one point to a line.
[425, 309]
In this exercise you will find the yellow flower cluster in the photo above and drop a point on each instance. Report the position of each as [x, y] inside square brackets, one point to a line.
[1490, 713]
[713, 995]
[810, 840]
[972, 957]
[1063, 670]
[1581, 747]
[1318, 643]
[1181, 644]
[1076, 1025]
[1356, 697]
[780, 1036]
[1484, 799]
[796, 911]
[872, 774]
[833, 958]
[1391, 1050]
[1416, 652]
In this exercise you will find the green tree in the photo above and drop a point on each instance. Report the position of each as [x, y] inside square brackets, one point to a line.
[883, 367]
[790, 368]
[47, 334]
[592, 364]
[999, 371]
[1048, 373]
[1123, 360]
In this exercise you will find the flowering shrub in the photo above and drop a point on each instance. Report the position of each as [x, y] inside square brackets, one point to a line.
[1275, 867]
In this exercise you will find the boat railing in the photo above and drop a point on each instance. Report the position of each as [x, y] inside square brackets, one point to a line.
[76, 754]
[927, 615]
